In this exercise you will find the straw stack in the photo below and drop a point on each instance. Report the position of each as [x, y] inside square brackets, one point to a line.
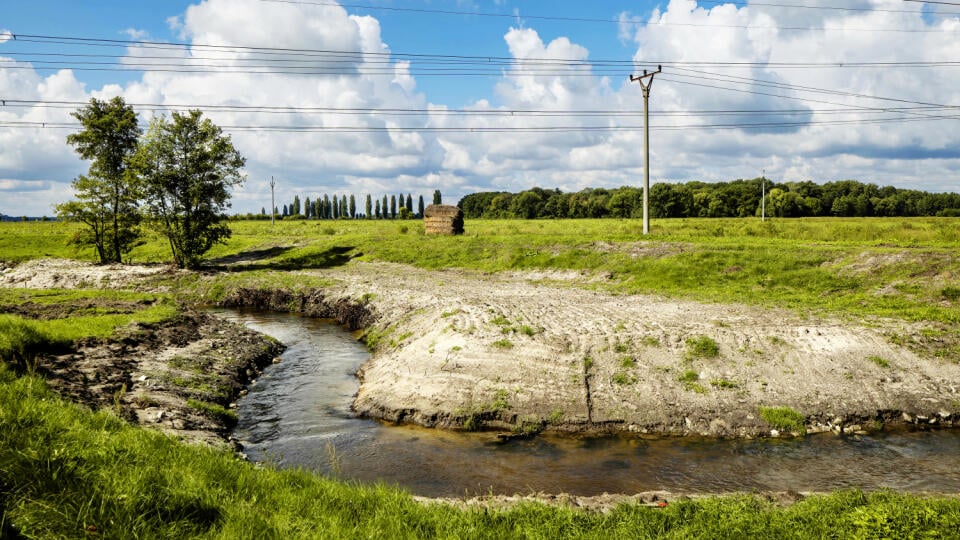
[443, 219]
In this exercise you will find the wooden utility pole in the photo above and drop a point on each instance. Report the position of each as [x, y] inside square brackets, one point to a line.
[273, 206]
[646, 81]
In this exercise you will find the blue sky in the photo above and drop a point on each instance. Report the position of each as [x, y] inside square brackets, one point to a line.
[775, 97]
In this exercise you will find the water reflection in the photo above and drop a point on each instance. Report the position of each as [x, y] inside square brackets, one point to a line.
[298, 414]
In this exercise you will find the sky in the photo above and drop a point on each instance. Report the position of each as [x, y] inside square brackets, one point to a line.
[408, 96]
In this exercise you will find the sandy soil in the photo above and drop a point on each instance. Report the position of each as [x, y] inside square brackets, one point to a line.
[533, 350]
[526, 351]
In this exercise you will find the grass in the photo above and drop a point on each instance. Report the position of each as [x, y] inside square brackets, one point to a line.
[784, 419]
[879, 361]
[702, 347]
[66, 472]
[21, 338]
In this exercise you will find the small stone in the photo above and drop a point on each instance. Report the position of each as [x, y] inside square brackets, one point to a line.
[907, 418]
[276, 360]
[774, 433]
[142, 378]
[159, 416]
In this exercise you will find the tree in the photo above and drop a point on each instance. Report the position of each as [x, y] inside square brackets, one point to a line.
[353, 207]
[187, 167]
[393, 207]
[307, 208]
[437, 199]
[295, 207]
[108, 197]
[343, 206]
[369, 206]
[420, 207]
[376, 211]
[383, 208]
[409, 204]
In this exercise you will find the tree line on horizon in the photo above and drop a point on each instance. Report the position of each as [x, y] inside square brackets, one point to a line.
[737, 198]
[345, 207]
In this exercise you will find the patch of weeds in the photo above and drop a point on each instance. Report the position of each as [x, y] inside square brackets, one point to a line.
[689, 379]
[628, 362]
[500, 402]
[400, 339]
[650, 341]
[556, 417]
[503, 344]
[446, 314]
[500, 321]
[373, 337]
[950, 293]
[776, 340]
[621, 347]
[620, 327]
[624, 378]
[528, 330]
[213, 410]
[724, 383]
[367, 297]
[878, 360]
[528, 426]
[784, 419]
[456, 348]
[702, 347]
[587, 363]
[329, 231]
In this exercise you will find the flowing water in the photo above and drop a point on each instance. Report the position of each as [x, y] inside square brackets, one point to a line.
[298, 415]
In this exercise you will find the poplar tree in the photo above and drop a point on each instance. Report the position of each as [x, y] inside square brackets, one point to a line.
[369, 206]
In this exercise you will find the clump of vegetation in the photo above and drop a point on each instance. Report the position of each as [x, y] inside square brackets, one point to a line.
[702, 347]
[690, 380]
[214, 410]
[951, 293]
[651, 341]
[627, 362]
[624, 378]
[784, 419]
[503, 344]
[879, 361]
[724, 383]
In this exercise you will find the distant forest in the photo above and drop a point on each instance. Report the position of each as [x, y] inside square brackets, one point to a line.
[739, 198]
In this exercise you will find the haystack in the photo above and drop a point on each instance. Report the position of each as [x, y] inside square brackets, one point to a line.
[443, 219]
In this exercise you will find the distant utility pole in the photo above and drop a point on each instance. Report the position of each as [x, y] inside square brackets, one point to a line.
[273, 207]
[763, 195]
[646, 142]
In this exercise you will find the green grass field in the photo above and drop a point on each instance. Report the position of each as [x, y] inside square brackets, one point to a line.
[68, 473]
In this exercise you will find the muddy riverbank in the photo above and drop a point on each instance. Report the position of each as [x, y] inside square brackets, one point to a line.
[531, 351]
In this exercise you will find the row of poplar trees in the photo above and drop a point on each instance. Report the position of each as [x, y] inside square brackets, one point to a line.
[175, 177]
[344, 207]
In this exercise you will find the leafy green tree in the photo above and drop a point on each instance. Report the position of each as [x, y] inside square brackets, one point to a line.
[353, 207]
[295, 207]
[307, 208]
[437, 198]
[376, 210]
[393, 207]
[383, 208]
[187, 166]
[420, 207]
[108, 197]
[343, 206]
[369, 206]
[409, 204]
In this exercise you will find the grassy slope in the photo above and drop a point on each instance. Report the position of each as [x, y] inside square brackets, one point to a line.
[66, 472]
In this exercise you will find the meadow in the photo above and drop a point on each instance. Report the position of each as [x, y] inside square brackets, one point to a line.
[68, 472]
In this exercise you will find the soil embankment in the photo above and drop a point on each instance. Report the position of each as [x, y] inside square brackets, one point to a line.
[531, 351]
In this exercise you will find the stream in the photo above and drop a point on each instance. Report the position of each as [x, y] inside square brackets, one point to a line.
[298, 415]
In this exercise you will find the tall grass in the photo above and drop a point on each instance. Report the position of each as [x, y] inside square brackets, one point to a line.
[66, 472]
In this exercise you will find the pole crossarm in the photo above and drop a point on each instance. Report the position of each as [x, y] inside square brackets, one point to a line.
[648, 78]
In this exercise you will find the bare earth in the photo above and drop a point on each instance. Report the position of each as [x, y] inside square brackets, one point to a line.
[534, 347]
[529, 351]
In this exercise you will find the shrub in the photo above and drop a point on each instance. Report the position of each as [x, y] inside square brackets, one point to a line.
[702, 347]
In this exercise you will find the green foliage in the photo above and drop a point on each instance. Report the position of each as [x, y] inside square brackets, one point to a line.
[950, 293]
[624, 378]
[784, 419]
[628, 362]
[214, 410]
[690, 379]
[503, 344]
[187, 167]
[702, 347]
[879, 361]
[71, 473]
[107, 196]
[724, 383]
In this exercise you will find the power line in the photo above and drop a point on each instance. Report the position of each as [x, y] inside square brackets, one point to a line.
[616, 20]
